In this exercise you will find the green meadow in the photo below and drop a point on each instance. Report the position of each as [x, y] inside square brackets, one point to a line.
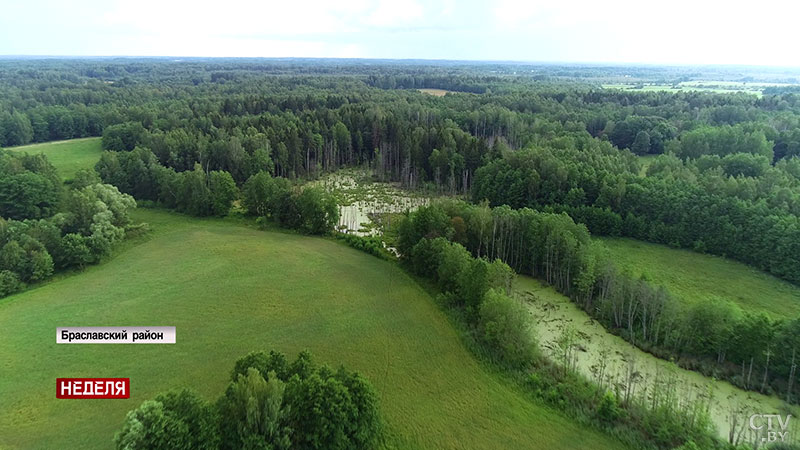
[435, 92]
[645, 161]
[231, 289]
[717, 87]
[696, 277]
[67, 156]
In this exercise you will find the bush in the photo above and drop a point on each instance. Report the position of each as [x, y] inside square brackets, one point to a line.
[368, 244]
[608, 410]
[504, 327]
[9, 283]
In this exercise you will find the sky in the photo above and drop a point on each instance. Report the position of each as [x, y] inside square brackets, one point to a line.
[609, 31]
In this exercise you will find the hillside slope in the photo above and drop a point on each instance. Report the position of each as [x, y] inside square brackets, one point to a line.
[230, 289]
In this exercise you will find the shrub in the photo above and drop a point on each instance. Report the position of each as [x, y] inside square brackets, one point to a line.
[504, 327]
[368, 244]
[9, 283]
[608, 410]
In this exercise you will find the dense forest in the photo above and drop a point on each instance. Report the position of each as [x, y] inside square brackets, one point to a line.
[727, 185]
[539, 157]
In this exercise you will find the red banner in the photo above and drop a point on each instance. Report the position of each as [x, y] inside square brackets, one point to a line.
[93, 387]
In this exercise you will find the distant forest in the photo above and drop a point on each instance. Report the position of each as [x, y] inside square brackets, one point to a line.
[722, 170]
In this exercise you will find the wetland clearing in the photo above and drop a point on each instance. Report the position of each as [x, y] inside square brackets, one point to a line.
[611, 361]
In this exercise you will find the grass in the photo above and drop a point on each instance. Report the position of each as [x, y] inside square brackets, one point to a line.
[704, 86]
[230, 289]
[67, 156]
[697, 277]
[435, 92]
[646, 161]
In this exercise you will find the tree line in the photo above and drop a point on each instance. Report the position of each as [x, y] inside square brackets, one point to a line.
[212, 193]
[737, 206]
[468, 251]
[717, 338]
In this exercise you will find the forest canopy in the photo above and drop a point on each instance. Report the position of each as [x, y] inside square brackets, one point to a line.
[190, 135]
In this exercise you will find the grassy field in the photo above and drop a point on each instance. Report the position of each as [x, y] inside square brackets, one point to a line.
[697, 277]
[719, 87]
[230, 289]
[645, 161]
[67, 156]
[435, 92]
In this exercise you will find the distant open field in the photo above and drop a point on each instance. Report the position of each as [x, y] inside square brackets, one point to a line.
[435, 92]
[230, 289]
[698, 277]
[733, 84]
[67, 156]
[702, 86]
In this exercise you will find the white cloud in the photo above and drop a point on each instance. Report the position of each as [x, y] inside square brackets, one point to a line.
[682, 31]
[274, 18]
[224, 18]
[395, 14]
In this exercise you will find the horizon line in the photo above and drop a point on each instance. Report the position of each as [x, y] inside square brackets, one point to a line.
[488, 61]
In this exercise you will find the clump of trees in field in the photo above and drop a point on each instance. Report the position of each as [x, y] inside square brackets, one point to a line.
[200, 192]
[197, 192]
[46, 228]
[270, 403]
